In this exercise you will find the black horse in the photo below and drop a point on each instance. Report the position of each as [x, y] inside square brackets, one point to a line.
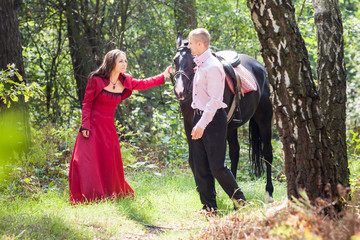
[254, 106]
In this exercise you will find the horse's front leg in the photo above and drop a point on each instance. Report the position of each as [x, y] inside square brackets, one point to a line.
[188, 115]
[234, 149]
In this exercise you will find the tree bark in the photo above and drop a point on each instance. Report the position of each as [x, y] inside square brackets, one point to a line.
[331, 74]
[185, 15]
[309, 164]
[80, 46]
[11, 53]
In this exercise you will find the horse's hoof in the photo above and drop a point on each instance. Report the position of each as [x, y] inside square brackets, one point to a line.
[268, 198]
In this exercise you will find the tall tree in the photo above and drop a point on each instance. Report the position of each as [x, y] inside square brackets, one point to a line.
[185, 15]
[309, 163]
[331, 75]
[84, 40]
[11, 53]
[93, 29]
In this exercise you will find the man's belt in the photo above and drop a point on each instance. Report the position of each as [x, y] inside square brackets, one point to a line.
[198, 112]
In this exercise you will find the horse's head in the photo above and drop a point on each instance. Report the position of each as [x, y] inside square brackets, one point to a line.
[184, 70]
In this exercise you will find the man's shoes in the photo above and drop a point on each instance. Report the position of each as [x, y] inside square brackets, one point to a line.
[238, 203]
[208, 211]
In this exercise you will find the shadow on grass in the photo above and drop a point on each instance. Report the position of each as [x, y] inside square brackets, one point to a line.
[155, 195]
[20, 226]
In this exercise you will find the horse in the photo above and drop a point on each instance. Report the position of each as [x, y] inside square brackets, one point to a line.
[255, 108]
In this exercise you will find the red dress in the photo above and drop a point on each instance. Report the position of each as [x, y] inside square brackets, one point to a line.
[96, 168]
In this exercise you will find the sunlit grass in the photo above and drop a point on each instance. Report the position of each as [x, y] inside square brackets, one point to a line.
[165, 207]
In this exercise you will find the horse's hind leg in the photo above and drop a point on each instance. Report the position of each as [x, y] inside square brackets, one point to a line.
[268, 156]
[234, 148]
[263, 119]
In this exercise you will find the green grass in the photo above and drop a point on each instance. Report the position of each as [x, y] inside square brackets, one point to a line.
[165, 207]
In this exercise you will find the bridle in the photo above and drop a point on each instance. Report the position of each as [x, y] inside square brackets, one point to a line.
[182, 73]
[189, 87]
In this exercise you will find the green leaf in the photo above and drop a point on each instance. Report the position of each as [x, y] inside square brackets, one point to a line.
[14, 97]
[27, 180]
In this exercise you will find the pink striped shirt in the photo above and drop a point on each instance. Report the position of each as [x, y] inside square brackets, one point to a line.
[208, 87]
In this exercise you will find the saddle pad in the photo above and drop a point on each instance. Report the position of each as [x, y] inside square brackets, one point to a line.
[248, 83]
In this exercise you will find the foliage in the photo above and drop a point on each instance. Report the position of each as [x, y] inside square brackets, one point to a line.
[353, 141]
[12, 86]
[306, 24]
[352, 53]
[48, 63]
[228, 23]
[44, 166]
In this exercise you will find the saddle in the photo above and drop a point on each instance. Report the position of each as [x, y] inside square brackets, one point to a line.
[230, 60]
[231, 57]
[233, 78]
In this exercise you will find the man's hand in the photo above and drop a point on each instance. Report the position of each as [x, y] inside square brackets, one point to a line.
[197, 132]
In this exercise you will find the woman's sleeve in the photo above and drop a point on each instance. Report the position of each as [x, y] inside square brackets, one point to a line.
[87, 104]
[142, 84]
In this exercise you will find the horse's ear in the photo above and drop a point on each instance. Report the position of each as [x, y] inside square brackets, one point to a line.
[178, 40]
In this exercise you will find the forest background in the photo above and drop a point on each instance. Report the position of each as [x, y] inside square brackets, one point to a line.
[149, 124]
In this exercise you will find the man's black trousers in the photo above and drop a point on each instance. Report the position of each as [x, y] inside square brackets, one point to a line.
[208, 155]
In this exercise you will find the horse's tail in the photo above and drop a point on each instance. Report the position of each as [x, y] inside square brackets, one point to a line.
[256, 149]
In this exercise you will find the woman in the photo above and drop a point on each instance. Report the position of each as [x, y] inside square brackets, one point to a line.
[96, 169]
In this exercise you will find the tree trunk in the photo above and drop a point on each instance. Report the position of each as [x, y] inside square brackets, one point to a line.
[80, 48]
[89, 23]
[309, 163]
[11, 53]
[331, 74]
[124, 8]
[185, 15]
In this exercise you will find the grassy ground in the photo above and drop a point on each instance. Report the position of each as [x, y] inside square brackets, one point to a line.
[165, 207]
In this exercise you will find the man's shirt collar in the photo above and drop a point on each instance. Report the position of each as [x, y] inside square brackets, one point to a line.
[199, 60]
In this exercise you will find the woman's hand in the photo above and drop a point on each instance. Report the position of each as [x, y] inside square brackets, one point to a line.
[167, 72]
[85, 133]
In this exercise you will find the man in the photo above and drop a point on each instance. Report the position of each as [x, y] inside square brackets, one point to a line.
[210, 125]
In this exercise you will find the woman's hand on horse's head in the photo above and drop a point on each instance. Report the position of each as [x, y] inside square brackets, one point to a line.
[168, 71]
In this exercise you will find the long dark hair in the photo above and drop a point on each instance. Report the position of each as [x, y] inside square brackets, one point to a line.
[108, 64]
